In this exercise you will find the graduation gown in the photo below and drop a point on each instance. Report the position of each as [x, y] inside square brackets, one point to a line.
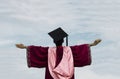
[37, 56]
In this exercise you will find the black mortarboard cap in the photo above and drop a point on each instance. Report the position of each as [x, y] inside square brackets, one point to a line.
[59, 34]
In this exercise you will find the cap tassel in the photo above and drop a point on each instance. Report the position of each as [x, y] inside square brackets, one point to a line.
[67, 41]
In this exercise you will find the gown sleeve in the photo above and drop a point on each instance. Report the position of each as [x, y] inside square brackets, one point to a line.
[37, 56]
[81, 55]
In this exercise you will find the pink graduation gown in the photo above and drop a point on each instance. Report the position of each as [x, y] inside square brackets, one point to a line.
[37, 57]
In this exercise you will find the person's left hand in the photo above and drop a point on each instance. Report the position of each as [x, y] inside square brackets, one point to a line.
[21, 46]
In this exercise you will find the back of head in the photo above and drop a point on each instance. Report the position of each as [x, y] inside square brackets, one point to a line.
[59, 43]
[58, 36]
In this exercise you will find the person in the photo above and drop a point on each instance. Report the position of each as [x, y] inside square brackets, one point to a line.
[60, 60]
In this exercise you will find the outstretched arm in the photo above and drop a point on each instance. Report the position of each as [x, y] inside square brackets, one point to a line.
[21, 46]
[97, 41]
[36, 55]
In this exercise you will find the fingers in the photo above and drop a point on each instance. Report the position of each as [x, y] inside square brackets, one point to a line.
[97, 41]
[20, 46]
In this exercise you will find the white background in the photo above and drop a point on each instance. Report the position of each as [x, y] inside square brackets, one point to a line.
[29, 21]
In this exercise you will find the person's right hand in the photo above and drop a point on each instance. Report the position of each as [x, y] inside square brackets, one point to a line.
[21, 46]
[97, 41]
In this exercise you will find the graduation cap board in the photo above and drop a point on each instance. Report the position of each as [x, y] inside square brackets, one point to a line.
[59, 34]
